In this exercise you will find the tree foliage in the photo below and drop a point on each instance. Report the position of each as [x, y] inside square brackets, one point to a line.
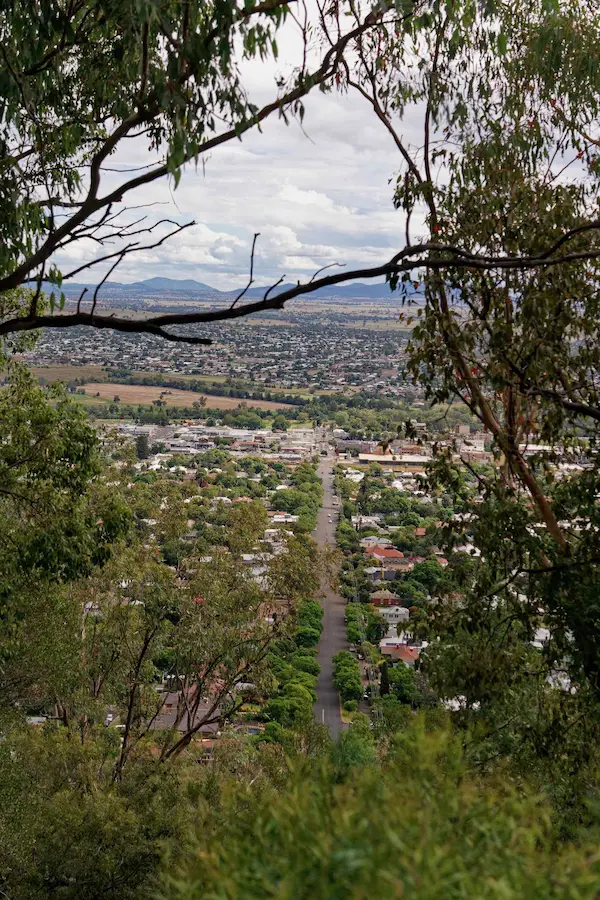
[417, 824]
[347, 676]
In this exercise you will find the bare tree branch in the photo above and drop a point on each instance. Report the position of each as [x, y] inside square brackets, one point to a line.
[429, 255]
[323, 268]
[132, 248]
[273, 286]
[130, 127]
[251, 278]
[81, 296]
[106, 277]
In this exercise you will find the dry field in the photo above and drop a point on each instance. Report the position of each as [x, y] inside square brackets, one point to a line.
[94, 373]
[141, 393]
[66, 372]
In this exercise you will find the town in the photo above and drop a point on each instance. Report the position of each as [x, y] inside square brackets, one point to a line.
[267, 433]
[303, 350]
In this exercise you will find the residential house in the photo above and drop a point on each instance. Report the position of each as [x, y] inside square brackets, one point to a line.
[388, 557]
[186, 712]
[394, 616]
[383, 598]
[374, 573]
[369, 542]
[280, 518]
[400, 653]
[366, 521]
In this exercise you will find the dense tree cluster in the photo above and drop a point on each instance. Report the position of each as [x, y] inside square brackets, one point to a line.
[118, 594]
[347, 677]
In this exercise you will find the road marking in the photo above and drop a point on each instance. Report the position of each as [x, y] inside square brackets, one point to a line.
[323, 715]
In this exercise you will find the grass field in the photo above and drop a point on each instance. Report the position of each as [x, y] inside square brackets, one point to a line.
[88, 400]
[140, 393]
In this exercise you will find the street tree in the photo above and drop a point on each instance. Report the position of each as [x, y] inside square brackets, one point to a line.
[142, 446]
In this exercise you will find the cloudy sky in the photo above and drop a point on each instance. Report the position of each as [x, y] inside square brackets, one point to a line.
[317, 195]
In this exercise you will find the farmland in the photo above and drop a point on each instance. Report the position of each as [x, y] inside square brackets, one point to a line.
[146, 394]
[99, 374]
[67, 372]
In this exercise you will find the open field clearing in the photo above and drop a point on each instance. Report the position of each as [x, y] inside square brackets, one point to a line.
[139, 393]
[66, 372]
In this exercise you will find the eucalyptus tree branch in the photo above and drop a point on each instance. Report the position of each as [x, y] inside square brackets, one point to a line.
[429, 255]
[81, 296]
[583, 409]
[92, 202]
[104, 279]
[132, 248]
[194, 728]
[379, 112]
[273, 286]
[429, 197]
[63, 45]
[324, 268]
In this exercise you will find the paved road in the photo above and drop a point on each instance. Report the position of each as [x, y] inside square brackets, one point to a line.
[333, 638]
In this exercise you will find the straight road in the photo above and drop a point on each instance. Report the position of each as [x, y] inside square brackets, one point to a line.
[333, 638]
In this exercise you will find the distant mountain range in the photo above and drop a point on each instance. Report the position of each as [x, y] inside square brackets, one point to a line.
[168, 284]
[188, 289]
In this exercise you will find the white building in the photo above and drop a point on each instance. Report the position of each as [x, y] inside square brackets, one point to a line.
[394, 616]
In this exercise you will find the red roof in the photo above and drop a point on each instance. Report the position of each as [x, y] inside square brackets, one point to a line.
[420, 532]
[407, 655]
[384, 552]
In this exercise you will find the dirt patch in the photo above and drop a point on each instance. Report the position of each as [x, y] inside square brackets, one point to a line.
[141, 393]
